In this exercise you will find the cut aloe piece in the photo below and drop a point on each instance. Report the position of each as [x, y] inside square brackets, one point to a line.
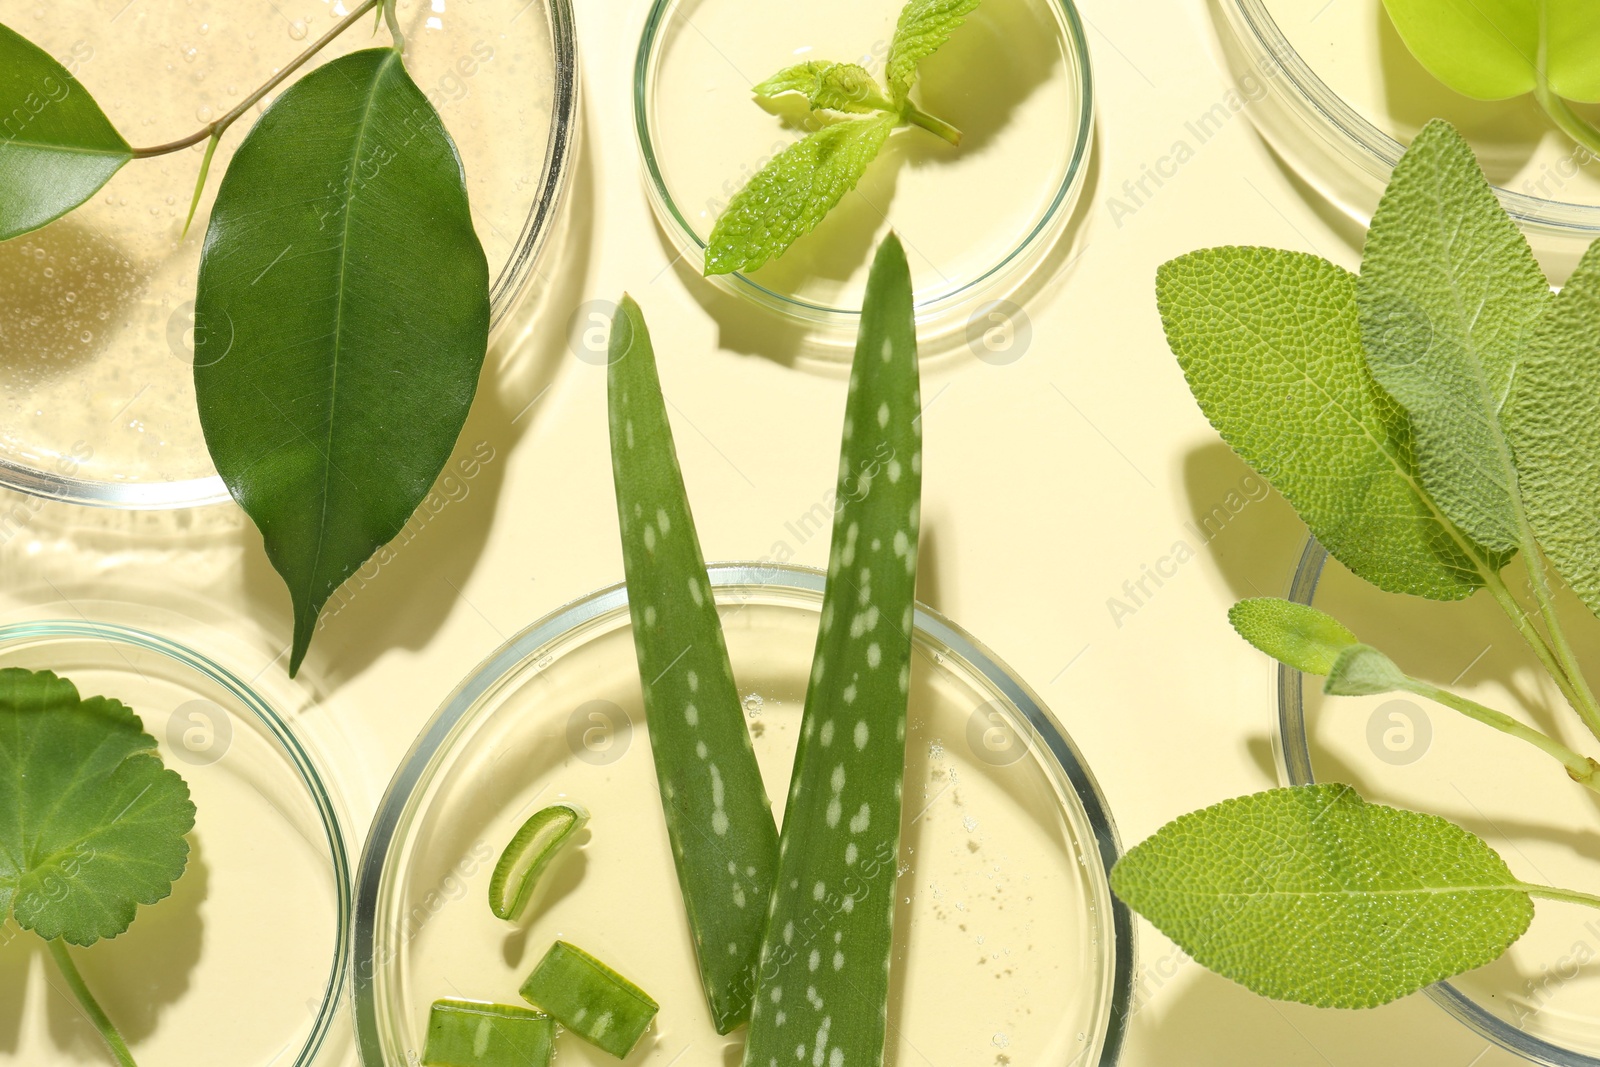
[475, 1033]
[724, 839]
[530, 851]
[590, 999]
[824, 973]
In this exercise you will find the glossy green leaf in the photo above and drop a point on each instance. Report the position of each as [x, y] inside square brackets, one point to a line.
[923, 27]
[1313, 895]
[724, 839]
[57, 148]
[786, 199]
[831, 86]
[91, 824]
[473, 1033]
[824, 978]
[590, 999]
[1553, 421]
[1490, 49]
[343, 311]
[1297, 634]
[1271, 346]
[1448, 295]
[1363, 671]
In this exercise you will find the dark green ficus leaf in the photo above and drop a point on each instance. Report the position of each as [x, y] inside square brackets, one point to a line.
[57, 148]
[342, 319]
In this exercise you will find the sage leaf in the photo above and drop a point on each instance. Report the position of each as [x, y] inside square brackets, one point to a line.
[1448, 294]
[91, 824]
[828, 86]
[786, 199]
[1363, 671]
[1493, 49]
[57, 148]
[1553, 421]
[923, 28]
[824, 978]
[344, 303]
[1297, 634]
[1270, 343]
[724, 839]
[1313, 895]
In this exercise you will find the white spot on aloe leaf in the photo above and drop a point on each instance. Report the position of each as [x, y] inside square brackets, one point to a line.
[663, 521]
[691, 715]
[874, 654]
[861, 735]
[883, 414]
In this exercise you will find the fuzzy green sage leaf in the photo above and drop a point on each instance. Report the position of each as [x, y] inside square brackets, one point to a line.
[724, 839]
[91, 824]
[1381, 902]
[1296, 634]
[1363, 671]
[527, 855]
[1270, 343]
[1553, 421]
[824, 980]
[57, 148]
[473, 1033]
[342, 318]
[1448, 295]
[590, 999]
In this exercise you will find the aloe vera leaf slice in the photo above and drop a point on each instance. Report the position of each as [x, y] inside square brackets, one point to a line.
[529, 852]
[724, 839]
[824, 975]
[476, 1033]
[590, 999]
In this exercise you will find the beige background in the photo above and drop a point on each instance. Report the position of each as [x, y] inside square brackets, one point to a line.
[1049, 482]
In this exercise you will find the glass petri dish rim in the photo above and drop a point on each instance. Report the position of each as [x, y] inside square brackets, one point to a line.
[765, 577]
[1294, 754]
[847, 319]
[504, 290]
[1377, 151]
[329, 1011]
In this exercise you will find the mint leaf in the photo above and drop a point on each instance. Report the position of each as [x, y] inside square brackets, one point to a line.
[923, 28]
[1270, 344]
[91, 824]
[791, 194]
[1448, 296]
[346, 296]
[57, 148]
[1489, 49]
[1363, 671]
[724, 838]
[1301, 636]
[1313, 895]
[1553, 421]
[831, 86]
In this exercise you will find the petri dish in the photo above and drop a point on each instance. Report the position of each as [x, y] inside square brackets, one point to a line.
[1333, 88]
[248, 960]
[96, 310]
[1539, 1000]
[976, 220]
[1006, 843]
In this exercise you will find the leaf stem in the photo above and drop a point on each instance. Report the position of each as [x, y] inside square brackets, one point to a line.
[1580, 769]
[918, 117]
[1570, 896]
[1572, 124]
[1541, 647]
[1585, 705]
[215, 129]
[91, 1007]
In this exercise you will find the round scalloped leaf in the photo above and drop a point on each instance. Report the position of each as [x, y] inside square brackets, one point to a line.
[91, 824]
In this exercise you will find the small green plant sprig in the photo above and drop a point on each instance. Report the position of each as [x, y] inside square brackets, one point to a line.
[342, 306]
[788, 197]
[1429, 420]
[92, 824]
[1550, 48]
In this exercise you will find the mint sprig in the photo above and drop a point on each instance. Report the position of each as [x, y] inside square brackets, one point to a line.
[787, 198]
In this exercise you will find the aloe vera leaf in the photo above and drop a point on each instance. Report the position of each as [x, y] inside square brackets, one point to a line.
[824, 980]
[724, 839]
[475, 1033]
[590, 999]
[529, 852]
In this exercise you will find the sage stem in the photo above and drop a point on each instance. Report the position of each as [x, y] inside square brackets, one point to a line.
[1580, 769]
